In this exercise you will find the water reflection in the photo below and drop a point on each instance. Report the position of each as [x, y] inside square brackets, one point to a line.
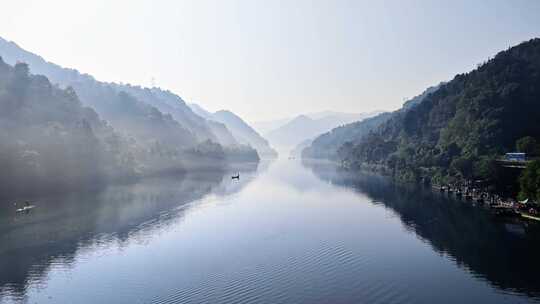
[505, 253]
[63, 225]
[293, 234]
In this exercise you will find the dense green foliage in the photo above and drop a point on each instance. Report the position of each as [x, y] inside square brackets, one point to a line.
[48, 139]
[530, 182]
[457, 131]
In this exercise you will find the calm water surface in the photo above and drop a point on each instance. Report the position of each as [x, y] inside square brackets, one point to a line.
[286, 232]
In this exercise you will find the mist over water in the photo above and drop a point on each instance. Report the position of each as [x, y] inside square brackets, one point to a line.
[286, 232]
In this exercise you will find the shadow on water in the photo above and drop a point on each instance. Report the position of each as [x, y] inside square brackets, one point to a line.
[505, 253]
[63, 225]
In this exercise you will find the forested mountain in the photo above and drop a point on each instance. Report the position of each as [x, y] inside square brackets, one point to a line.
[170, 103]
[151, 117]
[457, 131]
[241, 131]
[326, 145]
[101, 95]
[305, 127]
[48, 139]
[244, 133]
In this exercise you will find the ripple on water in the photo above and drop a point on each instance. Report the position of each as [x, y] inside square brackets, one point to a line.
[329, 272]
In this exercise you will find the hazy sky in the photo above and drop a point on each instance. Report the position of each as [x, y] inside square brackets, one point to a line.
[269, 59]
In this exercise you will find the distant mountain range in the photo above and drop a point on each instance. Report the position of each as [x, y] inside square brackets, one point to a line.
[292, 132]
[263, 127]
[241, 131]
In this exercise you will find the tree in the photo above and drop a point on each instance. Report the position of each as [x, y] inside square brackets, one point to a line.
[527, 145]
[486, 168]
[530, 182]
[463, 165]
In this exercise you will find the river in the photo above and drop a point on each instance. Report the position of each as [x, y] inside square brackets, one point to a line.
[285, 232]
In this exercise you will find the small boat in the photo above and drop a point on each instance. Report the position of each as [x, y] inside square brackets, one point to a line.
[25, 208]
[439, 188]
[237, 176]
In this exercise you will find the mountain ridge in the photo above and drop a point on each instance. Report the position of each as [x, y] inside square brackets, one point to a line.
[304, 127]
[150, 116]
[141, 102]
[327, 144]
[240, 129]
